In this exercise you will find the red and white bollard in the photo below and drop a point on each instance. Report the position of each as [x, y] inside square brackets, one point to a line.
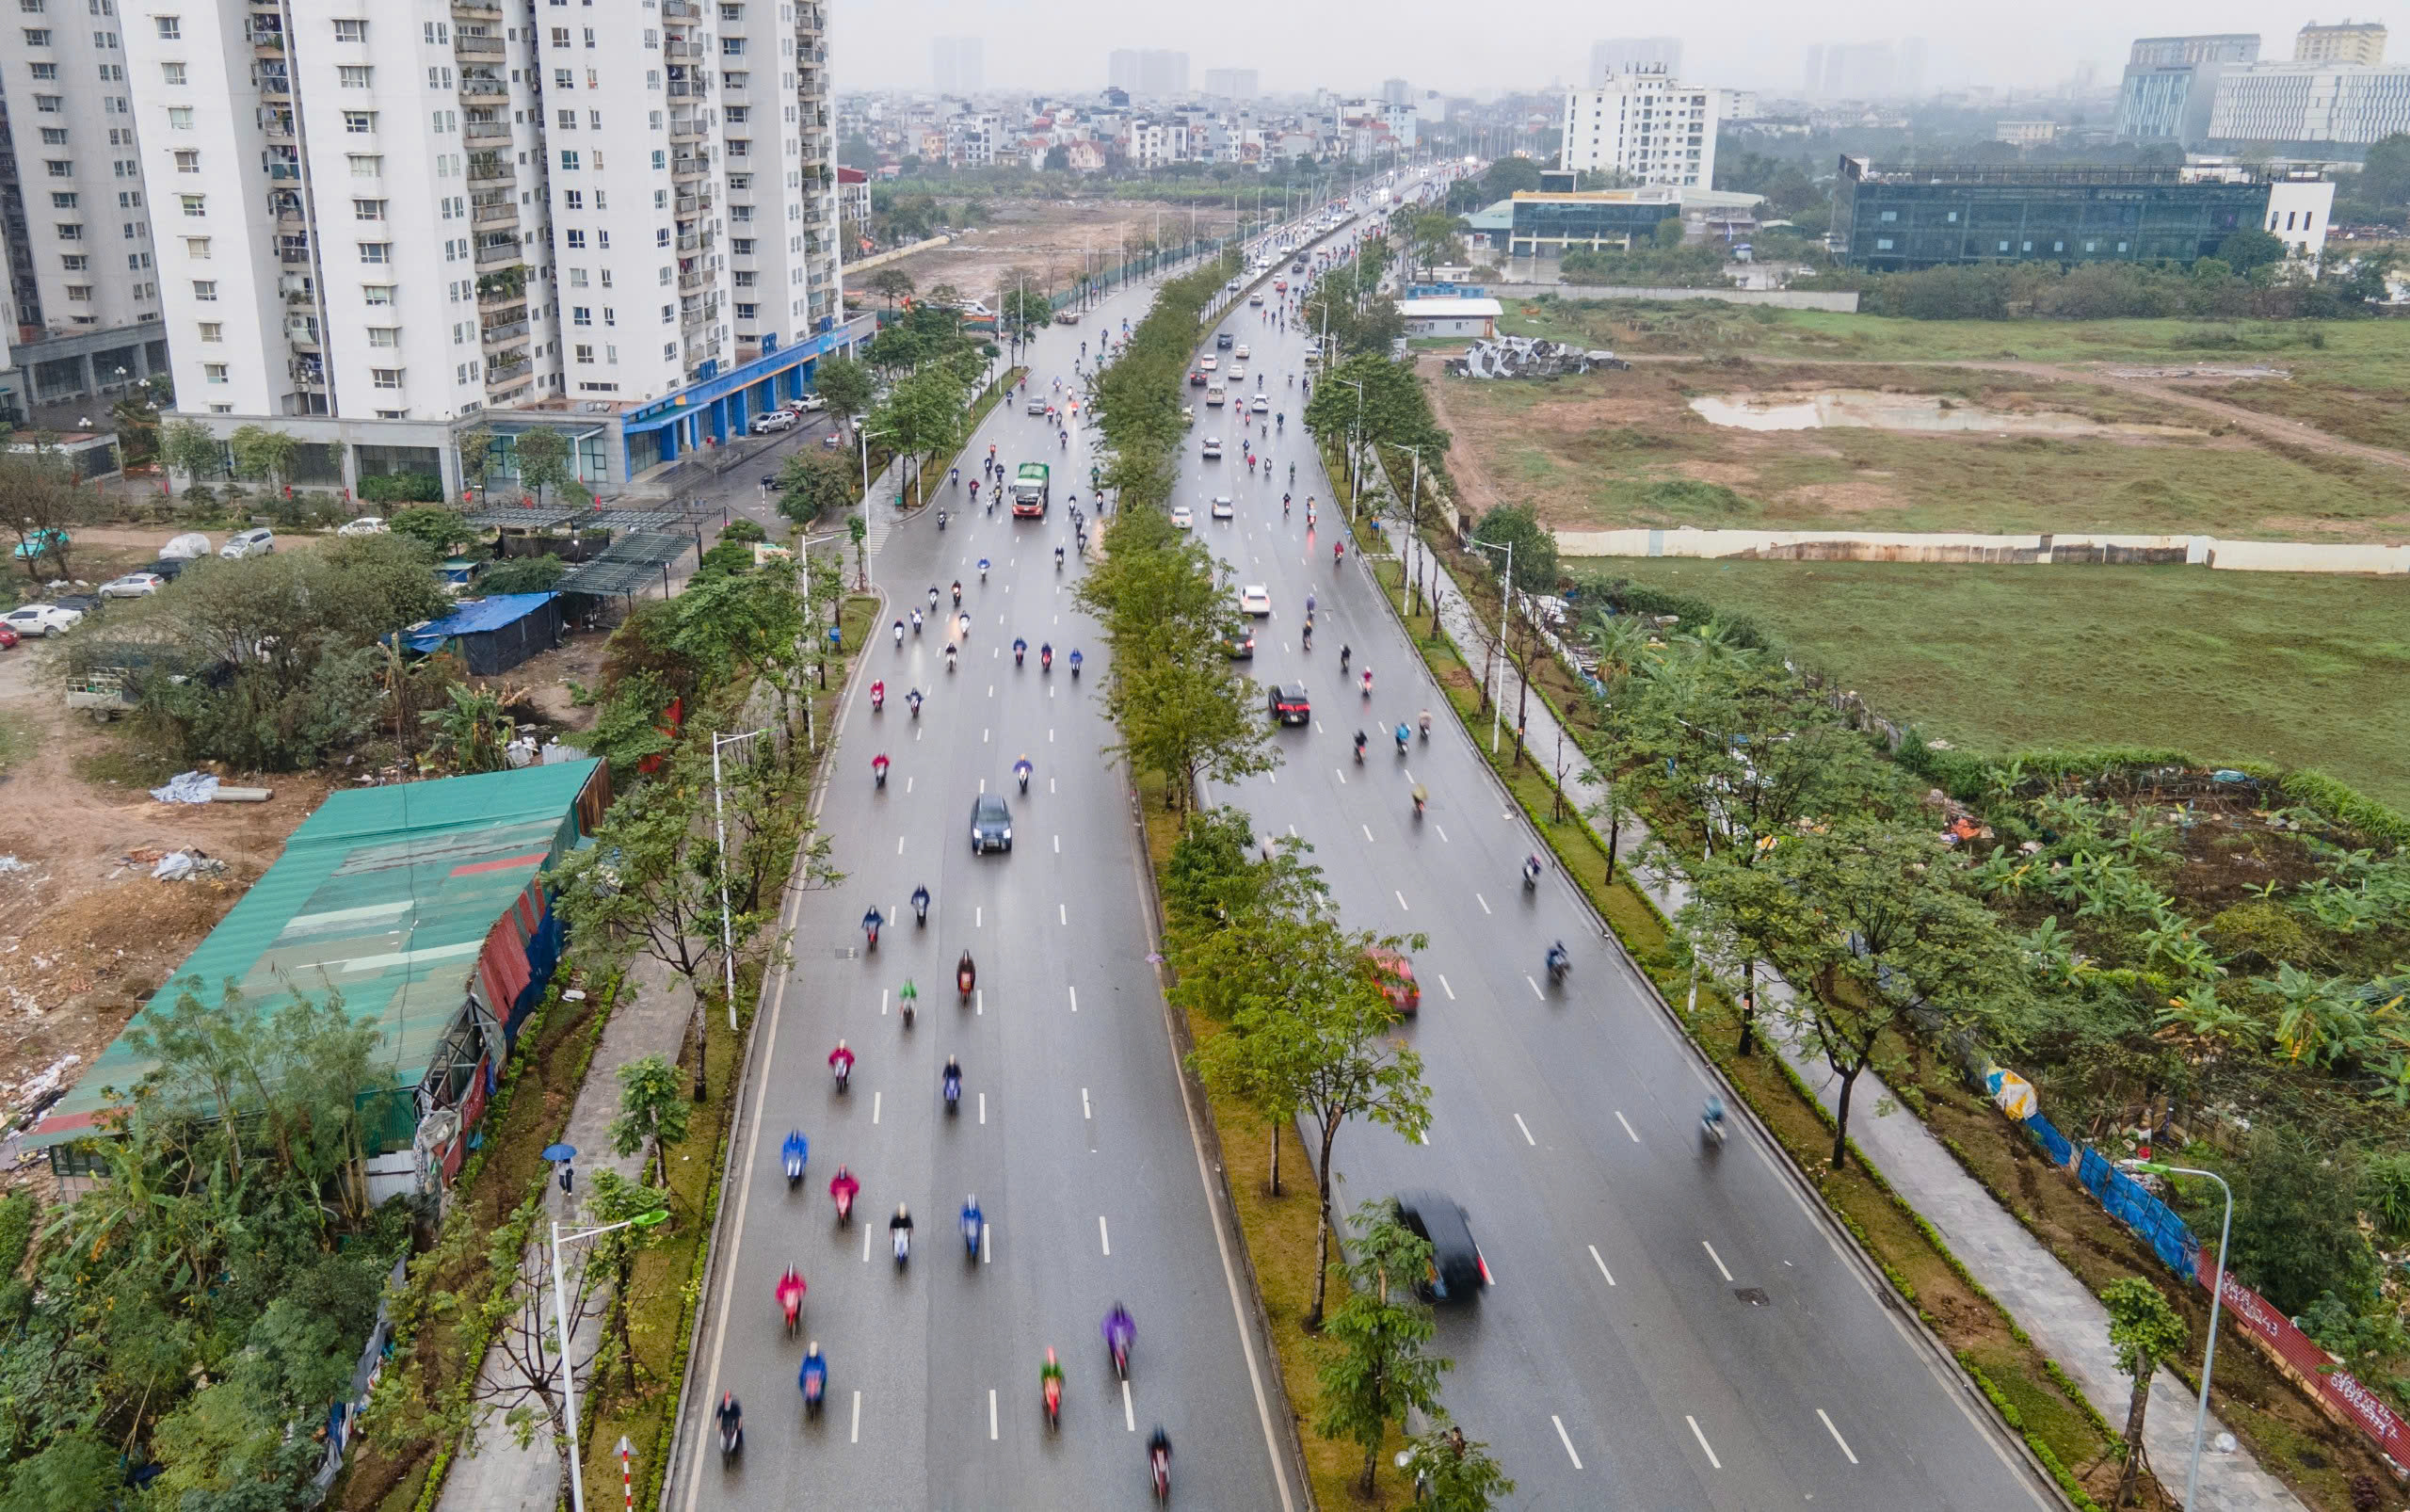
[627, 1486]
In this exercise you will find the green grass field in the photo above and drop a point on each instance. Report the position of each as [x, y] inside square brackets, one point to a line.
[2303, 670]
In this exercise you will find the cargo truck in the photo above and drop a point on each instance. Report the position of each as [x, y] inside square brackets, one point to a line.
[1030, 489]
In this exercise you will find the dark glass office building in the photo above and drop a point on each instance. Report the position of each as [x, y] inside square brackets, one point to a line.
[1551, 224]
[1896, 219]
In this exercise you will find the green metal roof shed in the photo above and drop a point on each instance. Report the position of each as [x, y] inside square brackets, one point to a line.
[419, 903]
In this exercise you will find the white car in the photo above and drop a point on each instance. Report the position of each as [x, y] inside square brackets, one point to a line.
[1181, 517]
[809, 403]
[1240, 351]
[133, 586]
[1255, 599]
[1213, 448]
[367, 525]
[1223, 509]
[774, 422]
[1262, 405]
[1255, 298]
[42, 618]
[258, 542]
[1208, 362]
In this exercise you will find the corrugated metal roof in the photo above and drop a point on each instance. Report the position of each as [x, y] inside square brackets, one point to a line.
[385, 896]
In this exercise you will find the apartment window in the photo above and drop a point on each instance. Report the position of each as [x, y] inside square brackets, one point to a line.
[564, 79]
[75, 261]
[70, 231]
[214, 372]
[739, 147]
[44, 71]
[171, 28]
[36, 37]
[741, 246]
[606, 278]
[573, 198]
[212, 331]
[79, 291]
[384, 335]
[668, 313]
[195, 204]
[661, 201]
[354, 75]
[60, 167]
[577, 278]
[2003, 246]
[187, 160]
[63, 199]
[732, 47]
[56, 137]
[171, 74]
[376, 251]
[365, 165]
[603, 239]
[350, 29]
[745, 277]
[34, 8]
[569, 159]
[197, 248]
[385, 378]
[744, 311]
[568, 119]
[205, 290]
[359, 123]
[180, 118]
[732, 12]
[610, 316]
[580, 314]
[584, 352]
[1882, 244]
[377, 294]
[368, 210]
[738, 115]
[589, 35]
[575, 238]
[1891, 215]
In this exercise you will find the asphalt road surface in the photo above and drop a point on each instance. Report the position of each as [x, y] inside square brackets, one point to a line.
[1668, 1326]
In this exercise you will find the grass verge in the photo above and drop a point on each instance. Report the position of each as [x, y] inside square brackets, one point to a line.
[2302, 670]
[2033, 1397]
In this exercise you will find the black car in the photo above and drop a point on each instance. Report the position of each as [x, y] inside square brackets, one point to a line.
[1222, 341]
[1458, 1271]
[991, 824]
[1238, 646]
[1289, 704]
[1195, 378]
[166, 567]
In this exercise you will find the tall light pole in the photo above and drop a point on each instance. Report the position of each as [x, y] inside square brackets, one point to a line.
[560, 1326]
[1413, 513]
[1355, 442]
[1506, 603]
[863, 435]
[2217, 1294]
[719, 821]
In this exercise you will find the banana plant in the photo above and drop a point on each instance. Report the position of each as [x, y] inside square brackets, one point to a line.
[2174, 945]
[2200, 1014]
[2052, 951]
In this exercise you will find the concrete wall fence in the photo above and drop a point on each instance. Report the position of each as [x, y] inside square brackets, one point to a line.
[2013, 551]
[1840, 303]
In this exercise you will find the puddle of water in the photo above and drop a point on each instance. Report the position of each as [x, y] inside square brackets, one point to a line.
[1903, 412]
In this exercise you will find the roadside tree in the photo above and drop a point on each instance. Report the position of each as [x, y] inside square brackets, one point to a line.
[1375, 1370]
[2146, 1333]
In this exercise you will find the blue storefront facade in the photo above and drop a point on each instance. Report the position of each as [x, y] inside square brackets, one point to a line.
[720, 408]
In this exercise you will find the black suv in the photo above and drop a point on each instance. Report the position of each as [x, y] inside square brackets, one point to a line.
[1458, 1271]
[1289, 705]
[991, 824]
[1222, 341]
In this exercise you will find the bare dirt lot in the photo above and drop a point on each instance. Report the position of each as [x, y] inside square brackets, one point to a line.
[1050, 237]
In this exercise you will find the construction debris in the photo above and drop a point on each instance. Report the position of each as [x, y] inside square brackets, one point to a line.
[186, 866]
[188, 787]
[1529, 357]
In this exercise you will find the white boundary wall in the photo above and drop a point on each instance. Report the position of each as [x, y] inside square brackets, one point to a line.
[2046, 550]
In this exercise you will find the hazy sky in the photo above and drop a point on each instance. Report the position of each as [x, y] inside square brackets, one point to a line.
[1741, 43]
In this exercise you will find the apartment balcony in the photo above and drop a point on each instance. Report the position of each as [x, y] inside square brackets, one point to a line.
[274, 87]
[695, 241]
[303, 334]
[478, 9]
[474, 45]
[486, 214]
[693, 282]
[486, 130]
[678, 52]
[510, 382]
[680, 11]
[496, 168]
[686, 129]
[475, 86]
[689, 205]
[499, 254]
[689, 88]
[500, 296]
[508, 333]
[687, 166]
[267, 44]
[693, 321]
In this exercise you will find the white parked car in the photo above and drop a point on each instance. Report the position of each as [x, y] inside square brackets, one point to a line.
[367, 525]
[773, 422]
[190, 546]
[133, 586]
[258, 542]
[1255, 599]
[809, 403]
[41, 618]
[1223, 509]
[1181, 517]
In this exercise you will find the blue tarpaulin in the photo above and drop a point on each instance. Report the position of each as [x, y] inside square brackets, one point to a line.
[2057, 1146]
[2141, 1212]
[494, 634]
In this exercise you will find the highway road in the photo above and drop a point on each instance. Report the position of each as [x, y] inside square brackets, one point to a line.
[1072, 1129]
[1668, 1326]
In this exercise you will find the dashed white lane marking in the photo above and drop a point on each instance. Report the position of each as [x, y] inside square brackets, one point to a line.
[1443, 834]
[858, 1419]
[1104, 1236]
[1705, 1447]
[1062, 911]
[1075, 998]
[1085, 1112]
[1058, 845]
[1129, 1416]
[1720, 1266]
[1482, 901]
[899, 845]
[1602, 1265]
[983, 1107]
[1400, 901]
[979, 1010]
[1536, 988]
[992, 1414]
[874, 1105]
[882, 1002]
[978, 915]
[1836, 1436]
[1445, 988]
[1627, 1126]
[1527, 1136]
[1563, 1438]
[866, 1230]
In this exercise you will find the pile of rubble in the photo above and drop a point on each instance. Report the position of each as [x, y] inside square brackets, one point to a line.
[1529, 356]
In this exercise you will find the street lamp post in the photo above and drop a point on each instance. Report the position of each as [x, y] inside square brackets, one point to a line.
[1413, 514]
[2217, 1294]
[1354, 441]
[560, 1325]
[863, 436]
[1506, 603]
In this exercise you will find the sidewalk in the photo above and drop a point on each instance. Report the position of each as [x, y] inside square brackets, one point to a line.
[649, 1019]
[2064, 1318]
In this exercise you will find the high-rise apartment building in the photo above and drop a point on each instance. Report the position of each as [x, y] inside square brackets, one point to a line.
[1646, 127]
[1148, 72]
[956, 64]
[2346, 42]
[2171, 83]
[74, 213]
[1631, 55]
[380, 223]
[1232, 83]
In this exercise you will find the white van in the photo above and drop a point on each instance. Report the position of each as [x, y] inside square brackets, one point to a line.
[1216, 395]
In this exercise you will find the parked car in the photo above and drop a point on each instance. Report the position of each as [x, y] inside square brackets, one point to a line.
[42, 540]
[991, 824]
[190, 546]
[133, 586]
[1067, 317]
[809, 403]
[7, 639]
[771, 422]
[1458, 1271]
[166, 567]
[1289, 704]
[832, 441]
[367, 525]
[260, 541]
[45, 619]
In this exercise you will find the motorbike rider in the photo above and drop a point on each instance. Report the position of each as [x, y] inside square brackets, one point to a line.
[842, 1186]
[950, 1080]
[841, 1060]
[973, 1221]
[1159, 1453]
[1559, 960]
[1020, 773]
[795, 1151]
[730, 1417]
[814, 1363]
[921, 903]
[899, 1230]
[1712, 1115]
[872, 918]
[1360, 747]
[966, 975]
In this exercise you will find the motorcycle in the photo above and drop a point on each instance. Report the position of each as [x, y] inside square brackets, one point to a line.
[1420, 798]
[791, 1300]
[815, 1383]
[871, 922]
[1046, 658]
[913, 700]
[949, 658]
[842, 1192]
[921, 906]
[792, 1157]
[1401, 740]
[1021, 651]
[1531, 874]
[941, 519]
[1058, 558]
[966, 980]
[1710, 1131]
[1075, 666]
[1050, 1386]
[1158, 1465]
[1020, 774]
[877, 697]
[953, 1086]
[878, 770]
[731, 1439]
[903, 1246]
[1560, 965]
[973, 1223]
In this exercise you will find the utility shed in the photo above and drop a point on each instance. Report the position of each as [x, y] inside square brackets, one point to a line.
[492, 635]
[421, 904]
[1457, 316]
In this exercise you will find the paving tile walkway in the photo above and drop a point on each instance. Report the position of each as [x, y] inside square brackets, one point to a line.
[2065, 1319]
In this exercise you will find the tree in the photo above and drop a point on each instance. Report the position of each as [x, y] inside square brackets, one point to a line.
[435, 526]
[187, 448]
[520, 1318]
[523, 574]
[892, 282]
[262, 453]
[2144, 1332]
[652, 1113]
[1023, 304]
[2250, 248]
[1534, 545]
[1864, 923]
[43, 504]
[471, 729]
[2296, 1222]
[476, 455]
[1058, 159]
[613, 1199]
[1668, 234]
[1377, 1371]
[1453, 1473]
[923, 413]
[815, 484]
[846, 384]
[544, 462]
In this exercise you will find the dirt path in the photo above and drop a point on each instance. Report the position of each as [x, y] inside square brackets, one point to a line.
[2272, 427]
[1478, 491]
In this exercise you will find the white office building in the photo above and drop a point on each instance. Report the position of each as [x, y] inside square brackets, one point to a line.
[1645, 126]
[2348, 103]
[1619, 55]
[380, 223]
